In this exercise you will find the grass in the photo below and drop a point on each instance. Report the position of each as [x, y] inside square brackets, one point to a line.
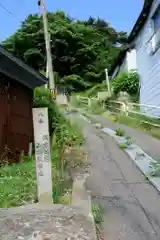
[93, 91]
[120, 132]
[137, 122]
[126, 144]
[123, 145]
[18, 184]
[98, 213]
[78, 103]
[133, 120]
[156, 171]
[95, 107]
[18, 181]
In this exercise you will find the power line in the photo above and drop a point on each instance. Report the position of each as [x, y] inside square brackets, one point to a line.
[9, 12]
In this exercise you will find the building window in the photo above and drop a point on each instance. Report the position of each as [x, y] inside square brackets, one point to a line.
[156, 20]
[156, 29]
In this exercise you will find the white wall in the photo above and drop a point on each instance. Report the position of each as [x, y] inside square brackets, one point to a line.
[129, 63]
[124, 66]
[148, 66]
[131, 60]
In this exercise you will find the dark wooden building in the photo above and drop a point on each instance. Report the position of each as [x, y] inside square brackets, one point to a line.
[17, 82]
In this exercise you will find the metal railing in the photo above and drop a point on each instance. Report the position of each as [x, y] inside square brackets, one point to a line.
[132, 110]
[116, 106]
[86, 100]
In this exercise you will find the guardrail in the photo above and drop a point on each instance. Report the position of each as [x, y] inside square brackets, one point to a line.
[133, 109]
[129, 109]
[115, 106]
[86, 100]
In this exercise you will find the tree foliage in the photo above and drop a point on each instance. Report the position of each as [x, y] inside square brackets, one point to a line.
[83, 48]
[126, 82]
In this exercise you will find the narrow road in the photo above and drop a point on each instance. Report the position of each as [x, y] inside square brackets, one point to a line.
[132, 205]
[148, 143]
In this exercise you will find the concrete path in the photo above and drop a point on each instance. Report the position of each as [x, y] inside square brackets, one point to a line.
[41, 222]
[148, 143]
[131, 204]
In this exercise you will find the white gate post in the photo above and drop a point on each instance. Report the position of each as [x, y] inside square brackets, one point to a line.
[98, 96]
[43, 155]
[103, 104]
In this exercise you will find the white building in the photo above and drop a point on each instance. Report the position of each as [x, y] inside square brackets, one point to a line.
[143, 55]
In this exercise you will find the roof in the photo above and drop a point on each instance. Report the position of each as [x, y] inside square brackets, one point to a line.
[141, 20]
[136, 29]
[15, 68]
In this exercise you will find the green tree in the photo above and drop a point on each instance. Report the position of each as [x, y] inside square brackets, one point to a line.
[126, 82]
[78, 47]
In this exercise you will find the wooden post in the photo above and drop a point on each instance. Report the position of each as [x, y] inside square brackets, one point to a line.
[30, 149]
[43, 155]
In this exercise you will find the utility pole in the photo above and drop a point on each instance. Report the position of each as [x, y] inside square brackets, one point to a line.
[46, 85]
[46, 69]
[49, 67]
[107, 82]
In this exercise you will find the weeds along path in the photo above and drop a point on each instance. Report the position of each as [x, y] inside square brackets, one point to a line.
[148, 143]
[132, 209]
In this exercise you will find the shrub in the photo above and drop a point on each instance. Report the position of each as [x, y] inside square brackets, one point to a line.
[92, 77]
[123, 145]
[58, 124]
[127, 82]
[92, 92]
[120, 132]
[43, 98]
[18, 181]
[74, 82]
[96, 107]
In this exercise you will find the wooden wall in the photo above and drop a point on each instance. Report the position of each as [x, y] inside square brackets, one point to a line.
[16, 127]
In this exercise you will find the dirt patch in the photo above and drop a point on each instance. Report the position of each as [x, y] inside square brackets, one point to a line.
[74, 160]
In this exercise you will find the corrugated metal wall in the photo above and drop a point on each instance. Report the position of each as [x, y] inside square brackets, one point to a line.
[148, 66]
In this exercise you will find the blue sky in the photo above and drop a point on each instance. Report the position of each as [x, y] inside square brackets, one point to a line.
[122, 14]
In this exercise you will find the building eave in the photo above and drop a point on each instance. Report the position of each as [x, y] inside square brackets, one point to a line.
[134, 33]
[141, 20]
[18, 70]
